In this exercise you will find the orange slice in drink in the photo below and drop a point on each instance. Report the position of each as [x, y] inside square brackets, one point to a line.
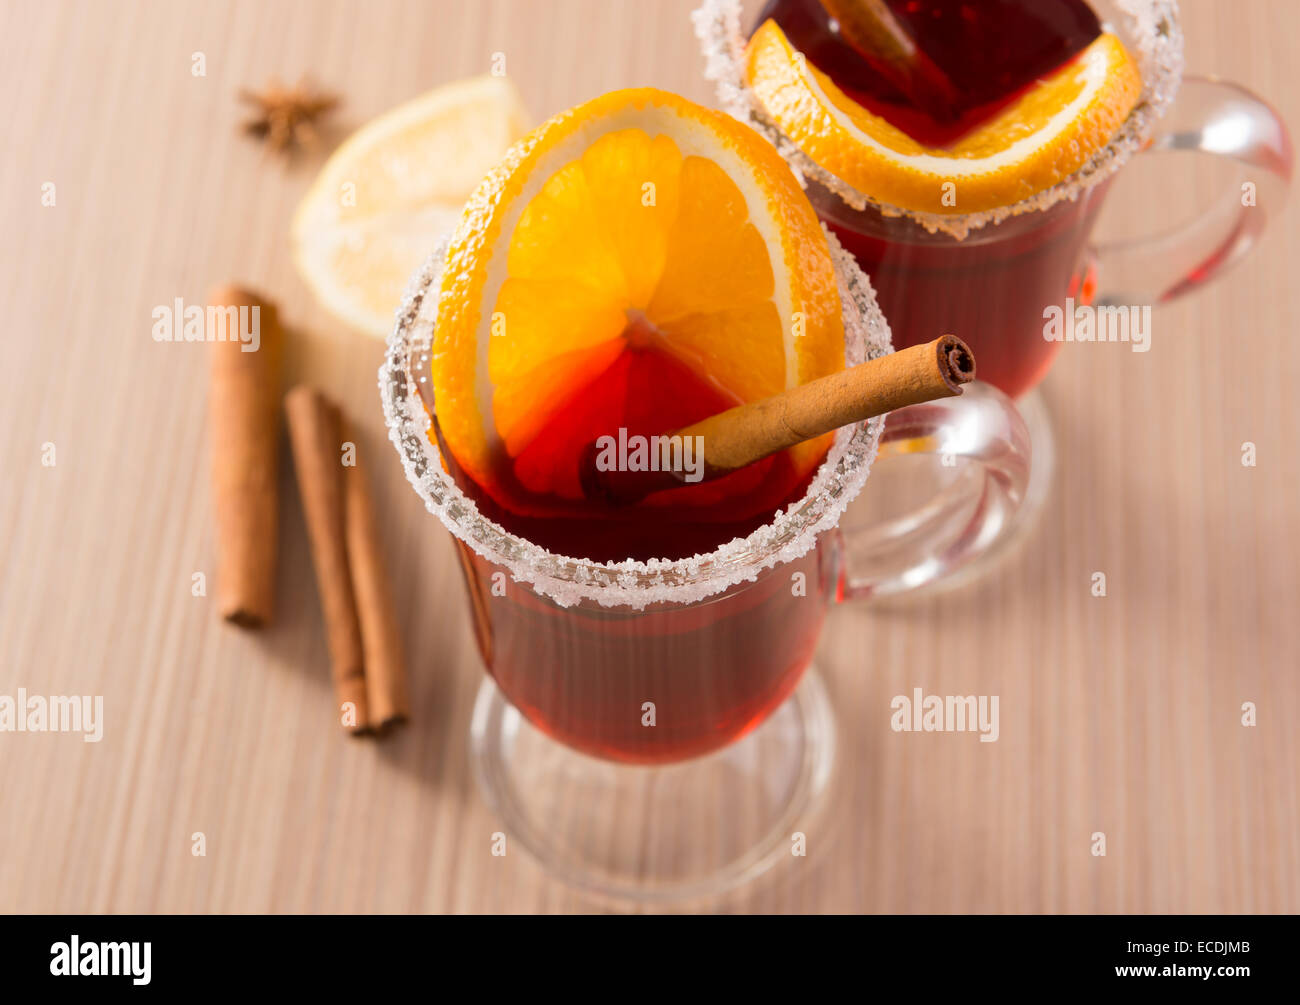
[639, 219]
[1040, 139]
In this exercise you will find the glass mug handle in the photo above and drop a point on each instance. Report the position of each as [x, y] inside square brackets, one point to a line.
[982, 434]
[1225, 120]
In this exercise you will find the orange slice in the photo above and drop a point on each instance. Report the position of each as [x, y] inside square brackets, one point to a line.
[1039, 140]
[639, 218]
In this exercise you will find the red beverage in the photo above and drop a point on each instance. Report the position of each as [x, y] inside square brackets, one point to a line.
[644, 392]
[714, 669]
[990, 287]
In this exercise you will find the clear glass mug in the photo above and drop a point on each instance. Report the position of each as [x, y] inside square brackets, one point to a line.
[653, 731]
[989, 277]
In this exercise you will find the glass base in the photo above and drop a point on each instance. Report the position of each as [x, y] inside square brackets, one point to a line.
[671, 833]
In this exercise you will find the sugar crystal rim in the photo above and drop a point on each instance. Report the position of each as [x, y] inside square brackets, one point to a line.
[790, 534]
[1152, 26]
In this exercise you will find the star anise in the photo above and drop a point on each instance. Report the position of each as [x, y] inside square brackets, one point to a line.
[285, 116]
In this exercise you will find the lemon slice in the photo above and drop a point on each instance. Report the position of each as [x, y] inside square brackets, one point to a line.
[382, 199]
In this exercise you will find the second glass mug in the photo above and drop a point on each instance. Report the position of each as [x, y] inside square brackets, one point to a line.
[628, 702]
[988, 277]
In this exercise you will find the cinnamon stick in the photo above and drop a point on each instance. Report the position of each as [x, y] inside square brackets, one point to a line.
[385, 666]
[316, 436]
[740, 436]
[245, 419]
[875, 33]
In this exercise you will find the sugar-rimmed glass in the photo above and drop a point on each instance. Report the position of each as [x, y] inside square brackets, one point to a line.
[625, 699]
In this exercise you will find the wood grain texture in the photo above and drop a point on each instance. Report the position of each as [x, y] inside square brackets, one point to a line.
[1118, 715]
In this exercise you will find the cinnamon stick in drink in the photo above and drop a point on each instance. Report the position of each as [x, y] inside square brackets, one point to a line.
[875, 33]
[385, 665]
[740, 436]
[244, 409]
[316, 436]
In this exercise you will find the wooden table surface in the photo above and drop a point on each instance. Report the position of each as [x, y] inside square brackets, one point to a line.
[1122, 714]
